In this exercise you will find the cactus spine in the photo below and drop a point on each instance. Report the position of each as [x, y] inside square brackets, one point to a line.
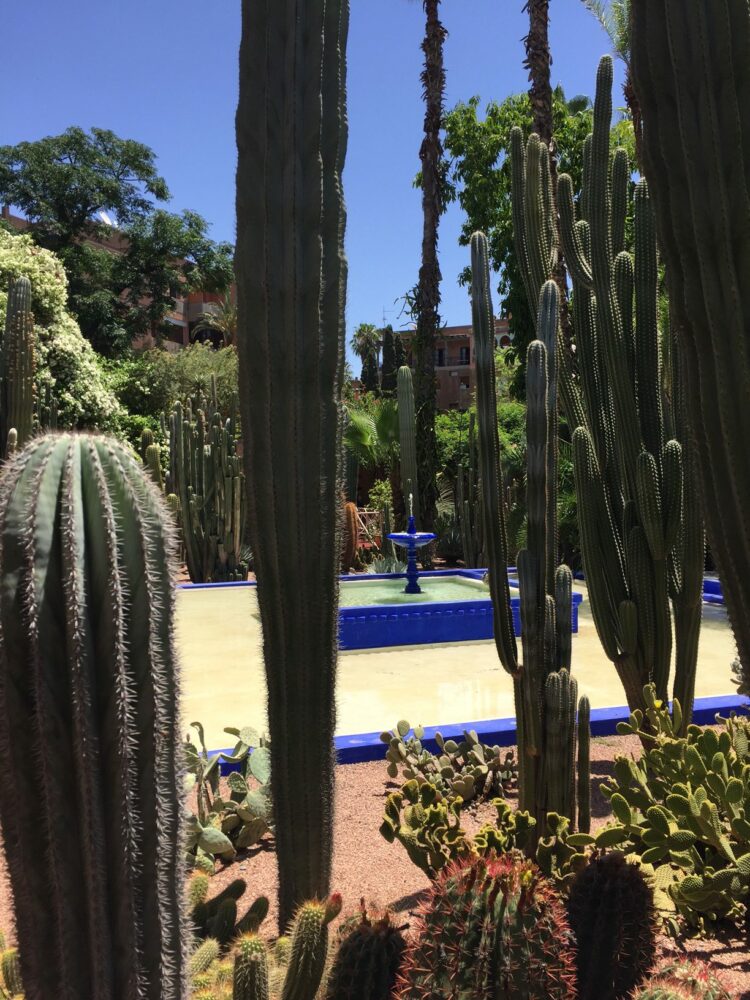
[491, 927]
[642, 546]
[291, 278]
[88, 690]
[545, 694]
[205, 473]
[17, 367]
[700, 199]
[407, 429]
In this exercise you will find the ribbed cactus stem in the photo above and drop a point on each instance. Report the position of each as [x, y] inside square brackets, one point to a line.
[17, 365]
[407, 432]
[309, 948]
[584, 765]
[291, 287]
[250, 980]
[88, 690]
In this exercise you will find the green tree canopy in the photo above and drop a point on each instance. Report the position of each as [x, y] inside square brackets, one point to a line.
[476, 172]
[80, 190]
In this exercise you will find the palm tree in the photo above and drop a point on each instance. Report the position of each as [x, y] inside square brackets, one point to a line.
[365, 341]
[614, 17]
[219, 324]
[427, 293]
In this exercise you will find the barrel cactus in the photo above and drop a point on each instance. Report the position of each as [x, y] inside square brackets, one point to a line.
[89, 693]
[368, 959]
[490, 927]
[611, 912]
[682, 979]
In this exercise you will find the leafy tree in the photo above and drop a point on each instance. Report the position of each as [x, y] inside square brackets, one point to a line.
[370, 376]
[92, 198]
[388, 381]
[477, 175]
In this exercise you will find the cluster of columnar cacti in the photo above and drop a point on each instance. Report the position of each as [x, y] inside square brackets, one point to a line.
[641, 532]
[468, 507]
[611, 913]
[88, 691]
[407, 431]
[17, 368]
[291, 279]
[545, 692]
[490, 927]
[693, 91]
[682, 979]
[205, 475]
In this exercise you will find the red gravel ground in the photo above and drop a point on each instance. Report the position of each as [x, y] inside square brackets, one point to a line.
[366, 866]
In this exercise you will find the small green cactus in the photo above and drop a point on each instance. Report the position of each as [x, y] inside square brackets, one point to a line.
[11, 970]
[203, 957]
[368, 958]
[682, 979]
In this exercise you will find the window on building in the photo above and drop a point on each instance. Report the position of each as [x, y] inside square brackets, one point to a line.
[464, 355]
[440, 359]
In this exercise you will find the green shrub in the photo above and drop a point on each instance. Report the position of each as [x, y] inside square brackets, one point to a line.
[380, 495]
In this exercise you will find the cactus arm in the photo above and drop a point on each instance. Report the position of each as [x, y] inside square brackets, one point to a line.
[493, 511]
[584, 765]
[291, 137]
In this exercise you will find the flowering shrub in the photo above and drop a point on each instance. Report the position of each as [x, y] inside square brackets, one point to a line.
[21, 257]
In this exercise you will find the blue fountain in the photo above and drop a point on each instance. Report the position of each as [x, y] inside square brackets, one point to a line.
[411, 540]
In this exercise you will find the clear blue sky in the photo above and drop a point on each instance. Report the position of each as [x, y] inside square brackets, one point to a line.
[164, 72]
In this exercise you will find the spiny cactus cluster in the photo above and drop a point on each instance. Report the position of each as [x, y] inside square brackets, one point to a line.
[611, 913]
[17, 368]
[545, 692]
[641, 531]
[89, 692]
[292, 969]
[682, 979]
[206, 477]
[490, 927]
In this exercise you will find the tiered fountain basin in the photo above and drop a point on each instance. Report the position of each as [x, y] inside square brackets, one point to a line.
[453, 606]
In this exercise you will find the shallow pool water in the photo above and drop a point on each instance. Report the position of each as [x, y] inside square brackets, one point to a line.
[361, 593]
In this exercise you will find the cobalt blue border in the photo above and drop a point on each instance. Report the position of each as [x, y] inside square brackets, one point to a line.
[419, 624]
[360, 748]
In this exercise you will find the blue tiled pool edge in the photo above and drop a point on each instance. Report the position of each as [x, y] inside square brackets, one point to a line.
[359, 748]
[379, 626]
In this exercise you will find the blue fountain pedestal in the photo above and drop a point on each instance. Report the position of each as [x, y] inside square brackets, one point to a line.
[411, 540]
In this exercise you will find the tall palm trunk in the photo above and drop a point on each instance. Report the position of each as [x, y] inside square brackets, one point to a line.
[538, 62]
[428, 290]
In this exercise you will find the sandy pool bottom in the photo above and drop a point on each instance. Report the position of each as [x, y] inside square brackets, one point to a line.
[219, 637]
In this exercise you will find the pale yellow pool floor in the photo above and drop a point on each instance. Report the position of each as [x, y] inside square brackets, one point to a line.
[223, 683]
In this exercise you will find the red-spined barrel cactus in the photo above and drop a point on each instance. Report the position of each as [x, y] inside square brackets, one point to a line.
[91, 798]
[368, 959]
[492, 927]
[682, 979]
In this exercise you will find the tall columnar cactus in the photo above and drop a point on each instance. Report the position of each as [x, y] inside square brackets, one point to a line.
[17, 366]
[407, 430]
[545, 694]
[611, 912]
[291, 279]
[205, 473]
[693, 89]
[491, 927]
[89, 693]
[641, 534]
[468, 506]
